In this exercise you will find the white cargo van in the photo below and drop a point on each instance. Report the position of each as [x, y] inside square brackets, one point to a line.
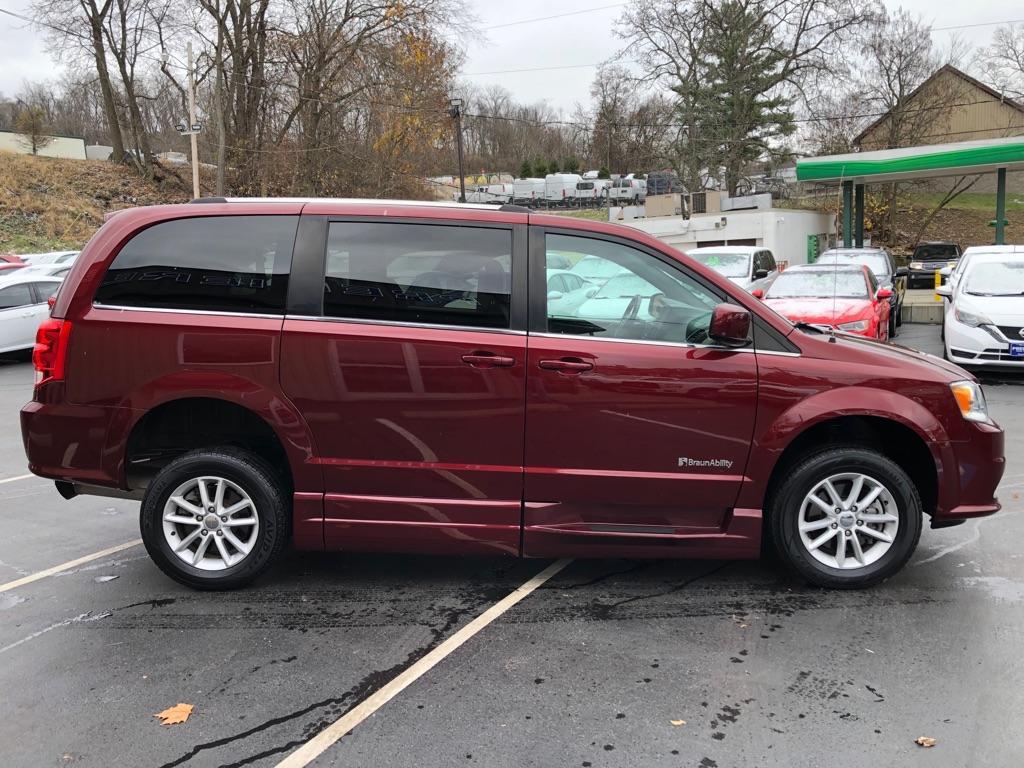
[560, 188]
[628, 190]
[528, 191]
[497, 194]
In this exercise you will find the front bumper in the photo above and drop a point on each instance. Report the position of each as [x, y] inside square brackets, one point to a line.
[970, 475]
[967, 345]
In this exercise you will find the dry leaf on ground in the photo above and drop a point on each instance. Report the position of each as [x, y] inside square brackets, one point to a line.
[678, 722]
[925, 741]
[177, 714]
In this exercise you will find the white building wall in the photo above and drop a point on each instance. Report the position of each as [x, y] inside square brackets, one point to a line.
[784, 232]
[59, 146]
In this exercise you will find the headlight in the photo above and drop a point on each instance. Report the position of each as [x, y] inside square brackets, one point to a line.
[971, 400]
[916, 265]
[858, 325]
[973, 319]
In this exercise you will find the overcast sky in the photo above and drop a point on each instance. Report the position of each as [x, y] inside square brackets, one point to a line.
[579, 39]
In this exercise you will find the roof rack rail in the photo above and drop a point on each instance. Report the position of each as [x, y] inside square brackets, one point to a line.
[513, 208]
[209, 200]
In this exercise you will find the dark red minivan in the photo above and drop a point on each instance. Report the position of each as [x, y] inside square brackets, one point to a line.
[415, 377]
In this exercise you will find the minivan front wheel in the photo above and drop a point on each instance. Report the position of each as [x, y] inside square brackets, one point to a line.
[215, 519]
[846, 518]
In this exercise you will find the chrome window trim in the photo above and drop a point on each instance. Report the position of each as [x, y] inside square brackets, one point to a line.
[216, 312]
[404, 324]
[681, 345]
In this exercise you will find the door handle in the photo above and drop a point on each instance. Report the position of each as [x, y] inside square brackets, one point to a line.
[571, 366]
[488, 360]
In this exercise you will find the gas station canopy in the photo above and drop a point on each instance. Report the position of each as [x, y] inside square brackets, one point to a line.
[928, 162]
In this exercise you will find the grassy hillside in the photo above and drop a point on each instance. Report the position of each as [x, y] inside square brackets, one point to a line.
[52, 204]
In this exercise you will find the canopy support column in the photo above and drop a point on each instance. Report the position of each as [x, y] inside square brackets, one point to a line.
[858, 212]
[1000, 205]
[847, 214]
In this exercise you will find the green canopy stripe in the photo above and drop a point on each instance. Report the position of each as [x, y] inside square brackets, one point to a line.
[827, 168]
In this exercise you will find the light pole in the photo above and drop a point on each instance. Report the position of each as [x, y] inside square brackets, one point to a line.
[455, 110]
[193, 128]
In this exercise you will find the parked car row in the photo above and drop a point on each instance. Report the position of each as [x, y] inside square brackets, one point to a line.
[27, 282]
[562, 190]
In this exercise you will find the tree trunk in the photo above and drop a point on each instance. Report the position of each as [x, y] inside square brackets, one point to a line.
[218, 105]
[109, 105]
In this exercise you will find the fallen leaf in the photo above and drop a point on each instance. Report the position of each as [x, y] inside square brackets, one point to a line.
[678, 722]
[925, 741]
[176, 714]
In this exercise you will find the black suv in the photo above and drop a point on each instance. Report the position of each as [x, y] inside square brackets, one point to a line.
[929, 258]
[884, 268]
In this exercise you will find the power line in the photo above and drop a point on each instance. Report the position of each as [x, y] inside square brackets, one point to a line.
[555, 16]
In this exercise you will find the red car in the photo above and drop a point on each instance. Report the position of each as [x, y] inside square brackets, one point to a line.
[390, 377]
[10, 261]
[846, 298]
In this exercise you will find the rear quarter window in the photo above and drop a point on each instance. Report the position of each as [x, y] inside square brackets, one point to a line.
[215, 263]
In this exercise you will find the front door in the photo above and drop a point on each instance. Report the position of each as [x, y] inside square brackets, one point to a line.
[412, 379]
[638, 426]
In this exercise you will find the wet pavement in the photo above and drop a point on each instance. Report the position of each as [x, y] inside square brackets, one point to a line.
[590, 670]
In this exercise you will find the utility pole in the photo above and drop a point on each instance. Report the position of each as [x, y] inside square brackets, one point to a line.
[193, 133]
[455, 110]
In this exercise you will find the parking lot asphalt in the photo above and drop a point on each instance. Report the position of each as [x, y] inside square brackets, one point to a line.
[590, 670]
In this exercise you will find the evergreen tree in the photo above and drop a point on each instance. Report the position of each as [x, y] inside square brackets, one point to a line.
[525, 170]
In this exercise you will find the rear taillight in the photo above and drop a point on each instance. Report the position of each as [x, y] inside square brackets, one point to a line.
[51, 350]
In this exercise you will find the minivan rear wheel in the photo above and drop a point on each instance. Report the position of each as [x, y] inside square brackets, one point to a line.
[215, 518]
[846, 518]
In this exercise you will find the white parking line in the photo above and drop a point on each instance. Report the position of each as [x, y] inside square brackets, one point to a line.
[316, 746]
[67, 566]
[12, 479]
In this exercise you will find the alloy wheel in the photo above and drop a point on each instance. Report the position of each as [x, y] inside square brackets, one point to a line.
[848, 521]
[210, 523]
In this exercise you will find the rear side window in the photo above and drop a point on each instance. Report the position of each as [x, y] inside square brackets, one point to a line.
[216, 263]
[15, 296]
[419, 273]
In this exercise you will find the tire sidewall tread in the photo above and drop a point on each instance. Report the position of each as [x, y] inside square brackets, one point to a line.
[259, 480]
[786, 501]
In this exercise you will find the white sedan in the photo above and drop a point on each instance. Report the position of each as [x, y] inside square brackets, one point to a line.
[984, 320]
[23, 305]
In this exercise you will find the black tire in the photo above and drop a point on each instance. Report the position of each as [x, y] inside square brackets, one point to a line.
[785, 509]
[892, 325]
[899, 315]
[251, 473]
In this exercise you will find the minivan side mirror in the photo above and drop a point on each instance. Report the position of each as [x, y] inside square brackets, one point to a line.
[902, 271]
[944, 290]
[555, 295]
[760, 274]
[884, 293]
[730, 325]
[757, 293]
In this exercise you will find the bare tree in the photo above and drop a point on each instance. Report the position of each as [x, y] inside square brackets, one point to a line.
[1003, 60]
[80, 24]
[32, 128]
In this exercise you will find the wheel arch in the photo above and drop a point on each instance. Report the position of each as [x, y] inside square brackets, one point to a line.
[282, 434]
[883, 420]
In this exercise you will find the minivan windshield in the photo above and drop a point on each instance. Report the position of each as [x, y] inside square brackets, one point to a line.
[826, 283]
[725, 264]
[996, 279]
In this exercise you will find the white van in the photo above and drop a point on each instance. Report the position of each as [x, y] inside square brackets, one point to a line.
[628, 190]
[497, 194]
[528, 191]
[560, 188]
[587, 192]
